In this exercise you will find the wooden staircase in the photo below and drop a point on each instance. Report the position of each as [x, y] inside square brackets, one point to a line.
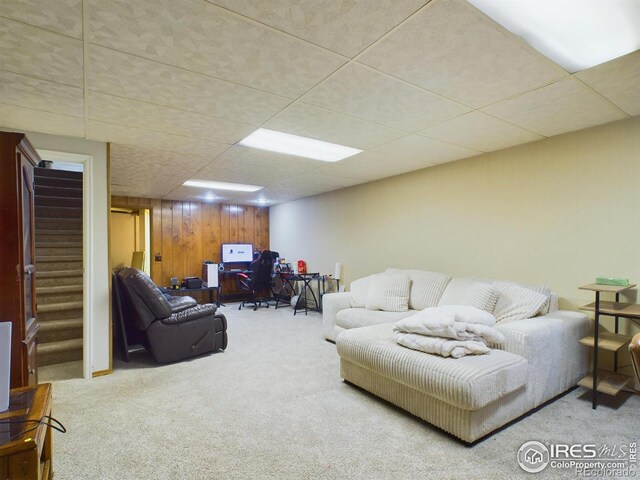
[59, 267]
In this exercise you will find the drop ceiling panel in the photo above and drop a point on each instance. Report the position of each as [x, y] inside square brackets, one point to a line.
[344, 27]
[128, 76]
[479, 131]
[617, 80]
[561, 107]
[452, 49]
[254, 167]
[309, 121]
[60, 16]
[30, 92]
[123, 111]
[191, 194]
[425, 150]
[40, 53]
[371, 95]
[107, 132]
[151, 169]
[28, 119]
[371, 165]
[204, 38]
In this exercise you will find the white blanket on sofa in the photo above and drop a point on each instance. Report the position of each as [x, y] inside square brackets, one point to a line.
[456, 322]
[444, 347]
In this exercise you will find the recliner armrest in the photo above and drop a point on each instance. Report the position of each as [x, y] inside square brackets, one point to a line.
[190, 314]
[178, 304]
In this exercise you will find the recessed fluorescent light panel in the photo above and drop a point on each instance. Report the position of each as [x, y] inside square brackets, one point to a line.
[289, 144]
[575, 34]
[238, 187]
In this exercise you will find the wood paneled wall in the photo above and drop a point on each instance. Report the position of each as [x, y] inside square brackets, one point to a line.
[185, 234]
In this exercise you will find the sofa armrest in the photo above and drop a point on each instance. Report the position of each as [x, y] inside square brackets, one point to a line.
[190, 314]
[332, 303]
[550, 344]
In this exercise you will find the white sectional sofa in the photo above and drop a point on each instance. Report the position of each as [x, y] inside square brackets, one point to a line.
[472, 396]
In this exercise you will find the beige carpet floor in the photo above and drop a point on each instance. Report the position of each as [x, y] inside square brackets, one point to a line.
[273, 406]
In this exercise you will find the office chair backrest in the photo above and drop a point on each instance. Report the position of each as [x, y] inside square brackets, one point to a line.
[261, 270]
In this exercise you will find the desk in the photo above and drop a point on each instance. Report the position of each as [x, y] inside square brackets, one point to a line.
[25, 448]
[306, 278]
[172, 291]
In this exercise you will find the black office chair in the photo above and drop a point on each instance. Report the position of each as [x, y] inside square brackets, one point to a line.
[258, 281]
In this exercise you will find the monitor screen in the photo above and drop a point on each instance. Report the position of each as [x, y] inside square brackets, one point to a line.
[237, 252]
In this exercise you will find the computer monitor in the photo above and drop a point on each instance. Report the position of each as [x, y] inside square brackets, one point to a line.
[237, 252]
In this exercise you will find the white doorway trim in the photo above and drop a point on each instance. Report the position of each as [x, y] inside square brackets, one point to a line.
[87, 249]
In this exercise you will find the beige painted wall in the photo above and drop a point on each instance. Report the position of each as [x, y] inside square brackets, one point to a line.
[559, 212]
[123, 239]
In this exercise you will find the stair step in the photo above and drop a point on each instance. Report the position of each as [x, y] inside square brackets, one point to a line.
[57, 201]
[72, 225]
[40, 172]
[57, 182]
[60, 315]
[59, 307]
[59, 330]
[49, 325]
[56, 298]
[59, 258]
[59, 273]
[52, 353]
[59, 289]
[58, 244]
[58, 191]
[58, 212]
[55, 251]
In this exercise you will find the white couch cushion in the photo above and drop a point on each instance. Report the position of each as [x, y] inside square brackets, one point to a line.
[358, 291]
[361, 317]
[389, 293]
[516, 302]
[469, 383]
[466, 291]
[426, 287]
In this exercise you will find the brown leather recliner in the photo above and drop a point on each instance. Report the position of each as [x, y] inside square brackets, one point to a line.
[170, 328]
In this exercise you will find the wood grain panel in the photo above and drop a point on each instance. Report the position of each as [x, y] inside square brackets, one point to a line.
[185, 234]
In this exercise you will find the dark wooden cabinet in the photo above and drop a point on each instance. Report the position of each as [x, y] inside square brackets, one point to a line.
[17, 254]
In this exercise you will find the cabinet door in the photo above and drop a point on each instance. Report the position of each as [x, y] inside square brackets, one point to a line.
[28, 244]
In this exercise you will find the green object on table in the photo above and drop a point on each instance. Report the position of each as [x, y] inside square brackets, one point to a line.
[620, 282]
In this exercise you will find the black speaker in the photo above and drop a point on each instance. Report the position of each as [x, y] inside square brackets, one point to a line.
[221, 267]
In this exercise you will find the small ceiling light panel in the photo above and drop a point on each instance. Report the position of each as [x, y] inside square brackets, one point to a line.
[290, 144]
[575, 34]
[237, 187]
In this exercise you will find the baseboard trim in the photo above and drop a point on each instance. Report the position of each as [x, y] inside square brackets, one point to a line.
[102, 373]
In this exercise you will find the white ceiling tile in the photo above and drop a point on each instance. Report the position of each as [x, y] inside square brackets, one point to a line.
[309, 121]
[425, 150]
[123, 111]
[155, 169]
[60, 16]
[371, 165]
[617, 80]
[254, 167]
[107, 132]
[452, 49]
[29, 92]
[371, 95]
[344, 27]
[128, 76]
[481, 132]
[39, 53]
[204, 38]
[561, 107]
[191, 194]
[38, 121]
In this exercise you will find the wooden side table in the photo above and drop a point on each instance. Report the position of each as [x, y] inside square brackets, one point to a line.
[601, 380]
[25, 445]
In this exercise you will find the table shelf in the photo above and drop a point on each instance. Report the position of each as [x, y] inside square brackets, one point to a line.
[616, 309]
[607, 341]
[594, 287]
[609, 383]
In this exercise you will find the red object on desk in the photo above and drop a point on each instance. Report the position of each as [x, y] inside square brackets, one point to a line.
[302, 266]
